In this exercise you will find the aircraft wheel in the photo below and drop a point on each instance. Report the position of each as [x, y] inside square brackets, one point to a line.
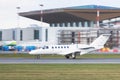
[67, 57]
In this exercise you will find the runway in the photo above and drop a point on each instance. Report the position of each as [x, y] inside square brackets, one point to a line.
[59, 61]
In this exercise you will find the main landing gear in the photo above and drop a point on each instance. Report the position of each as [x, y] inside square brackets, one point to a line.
[73, 56]
[67, 56]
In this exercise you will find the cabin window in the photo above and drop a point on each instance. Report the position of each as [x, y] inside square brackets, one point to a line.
[67, 46]
[52, 47]
[55, 46]
[61, 46]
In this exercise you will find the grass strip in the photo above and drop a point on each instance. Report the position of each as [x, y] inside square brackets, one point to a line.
[59, 71]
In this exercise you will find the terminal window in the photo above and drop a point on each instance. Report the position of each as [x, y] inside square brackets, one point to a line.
[0, 35]
[36, 34]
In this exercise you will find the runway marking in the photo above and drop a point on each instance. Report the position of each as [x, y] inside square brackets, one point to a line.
[59, 61]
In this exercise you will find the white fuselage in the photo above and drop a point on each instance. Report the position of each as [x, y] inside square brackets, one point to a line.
[73, 49]
[63, 49]
[55, 49]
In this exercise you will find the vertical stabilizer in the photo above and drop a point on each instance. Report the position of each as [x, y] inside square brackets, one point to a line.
[100, 41]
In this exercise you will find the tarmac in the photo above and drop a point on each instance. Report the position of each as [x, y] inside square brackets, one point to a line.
[59, 61]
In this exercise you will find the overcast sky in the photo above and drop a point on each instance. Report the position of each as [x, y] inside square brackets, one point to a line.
[8, 13]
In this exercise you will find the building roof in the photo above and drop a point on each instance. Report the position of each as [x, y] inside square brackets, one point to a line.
[92, 7]
[74, 14]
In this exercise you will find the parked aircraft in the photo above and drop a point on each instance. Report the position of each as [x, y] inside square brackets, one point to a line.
[73, 49]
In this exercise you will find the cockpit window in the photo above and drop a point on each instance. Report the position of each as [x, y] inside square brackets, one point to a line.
[45, 47]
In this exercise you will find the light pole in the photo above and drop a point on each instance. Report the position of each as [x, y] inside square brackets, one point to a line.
[41, 19]
[18, 18]
[18, 25]
[98, 17]
[41, 13]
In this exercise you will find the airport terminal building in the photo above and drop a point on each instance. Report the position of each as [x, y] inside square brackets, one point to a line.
[69, 25]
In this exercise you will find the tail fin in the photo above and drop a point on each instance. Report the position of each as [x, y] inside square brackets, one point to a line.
[100, 41]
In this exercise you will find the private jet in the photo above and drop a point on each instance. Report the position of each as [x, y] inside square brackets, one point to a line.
[70, 51]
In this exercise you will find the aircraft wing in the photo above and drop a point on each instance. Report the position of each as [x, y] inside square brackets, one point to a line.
[80, 50]
[68, 52]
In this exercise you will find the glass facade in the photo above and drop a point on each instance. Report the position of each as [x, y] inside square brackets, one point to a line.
[74, 24]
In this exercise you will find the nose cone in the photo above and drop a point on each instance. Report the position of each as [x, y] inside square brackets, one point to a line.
[33, 52]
